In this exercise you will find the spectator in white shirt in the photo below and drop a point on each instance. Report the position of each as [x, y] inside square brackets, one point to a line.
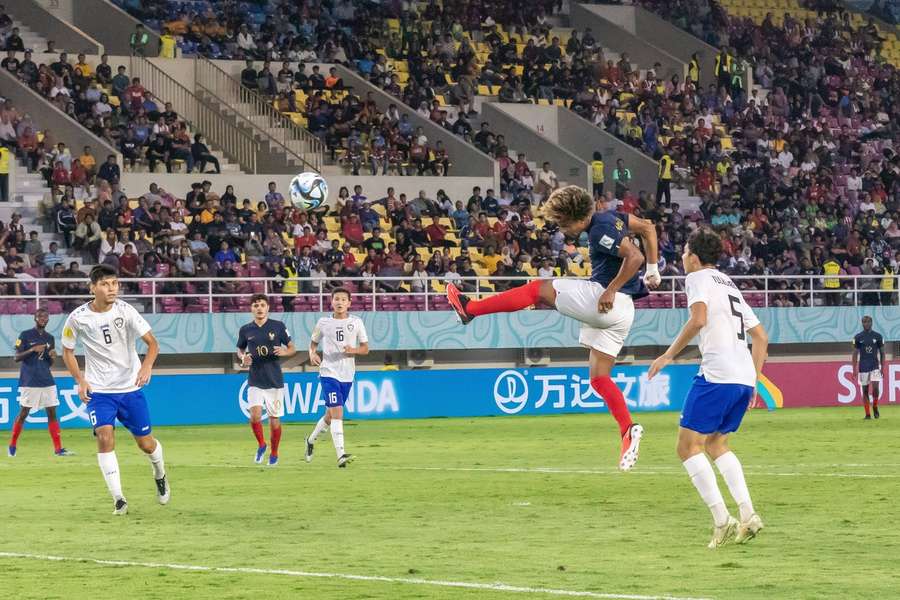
[546, 180]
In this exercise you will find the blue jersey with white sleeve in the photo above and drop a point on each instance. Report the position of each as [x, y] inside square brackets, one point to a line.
[260, 342]
[35, 371]
[605, 235]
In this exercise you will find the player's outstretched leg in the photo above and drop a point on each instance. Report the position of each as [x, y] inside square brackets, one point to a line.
[321, 425]
[733, 473]
[601, 365]
[18, 426]
[690, 450]
[154, 451]
[517, 298]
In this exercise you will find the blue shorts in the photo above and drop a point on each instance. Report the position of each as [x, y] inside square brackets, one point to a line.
[335, 392]
[715, 407]
[130, 408]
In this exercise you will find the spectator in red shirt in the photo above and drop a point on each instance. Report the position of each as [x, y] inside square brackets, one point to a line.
[437, 233]
[353, 231]
[307, 240]
[349, 264]
[60, 176]
[134, 95]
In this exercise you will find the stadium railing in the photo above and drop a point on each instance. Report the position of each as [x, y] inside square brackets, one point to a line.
[207, 295]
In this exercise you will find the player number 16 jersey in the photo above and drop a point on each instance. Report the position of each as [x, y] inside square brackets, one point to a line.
[333, 335]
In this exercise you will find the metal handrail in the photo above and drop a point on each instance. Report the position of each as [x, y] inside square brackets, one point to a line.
[239, 145]
[154, 292]
[214, 81]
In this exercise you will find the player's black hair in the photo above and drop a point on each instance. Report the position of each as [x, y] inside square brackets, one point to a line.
[706, 245]
[341, 290]
[568, 205]
[258, 297]
[100, 272]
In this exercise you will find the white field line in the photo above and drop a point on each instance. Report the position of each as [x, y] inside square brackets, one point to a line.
[557, 471]
[490, 587]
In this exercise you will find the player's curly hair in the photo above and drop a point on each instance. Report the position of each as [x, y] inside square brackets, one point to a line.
[568, 205]
[706, 245]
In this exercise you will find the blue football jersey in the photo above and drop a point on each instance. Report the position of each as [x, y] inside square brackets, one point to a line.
[868, 344]
[35, 371]
[605, 235]
[260, 343]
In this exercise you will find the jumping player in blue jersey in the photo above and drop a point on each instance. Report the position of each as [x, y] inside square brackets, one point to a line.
[261, 345]
[604, 305]
[110, 386]
[868, 363]
[36, 349]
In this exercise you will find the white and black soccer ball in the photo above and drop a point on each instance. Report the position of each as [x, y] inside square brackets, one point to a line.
[308, 191]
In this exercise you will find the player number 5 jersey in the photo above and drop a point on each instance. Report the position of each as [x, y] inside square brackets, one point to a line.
[333, 335]
[723, 340]
[111, 362]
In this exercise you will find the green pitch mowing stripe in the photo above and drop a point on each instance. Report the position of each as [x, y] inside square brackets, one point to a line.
[490, 587]
[528, 502]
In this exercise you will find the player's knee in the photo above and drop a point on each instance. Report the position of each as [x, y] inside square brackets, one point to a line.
[716, 446]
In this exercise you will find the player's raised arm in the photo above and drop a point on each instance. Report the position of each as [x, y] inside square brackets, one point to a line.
[631, 264]
[647, 232]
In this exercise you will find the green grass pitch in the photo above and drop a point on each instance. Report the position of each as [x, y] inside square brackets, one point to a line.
[530, 502]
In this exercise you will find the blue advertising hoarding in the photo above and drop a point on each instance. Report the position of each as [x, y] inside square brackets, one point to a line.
[222, 399]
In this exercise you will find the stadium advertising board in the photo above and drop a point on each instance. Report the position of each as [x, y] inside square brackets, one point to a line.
[222, 399]
[209, 399]
[827, 383]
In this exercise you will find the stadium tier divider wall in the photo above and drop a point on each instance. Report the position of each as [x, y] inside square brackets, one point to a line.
[106, 23]
[254, 187]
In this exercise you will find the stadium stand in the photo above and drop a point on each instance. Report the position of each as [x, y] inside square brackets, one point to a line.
[798, 173]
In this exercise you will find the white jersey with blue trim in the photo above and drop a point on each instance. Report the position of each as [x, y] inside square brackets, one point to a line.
[723, 340]
[111, 362]
[333, 335]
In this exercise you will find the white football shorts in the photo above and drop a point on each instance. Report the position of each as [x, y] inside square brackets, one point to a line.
[38, 397]
[271, 399]
[867, 377]
[604, 332]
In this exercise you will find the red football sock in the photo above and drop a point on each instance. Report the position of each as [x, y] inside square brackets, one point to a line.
[258, 432]
[276, 439]
[614, 399]
[508, 301]
[53, 428]
[866, 403]
[17, 429]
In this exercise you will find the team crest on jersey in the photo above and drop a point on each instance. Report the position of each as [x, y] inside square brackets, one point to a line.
[620, 224]
[349, 326]
[119, 322]
[271, 335]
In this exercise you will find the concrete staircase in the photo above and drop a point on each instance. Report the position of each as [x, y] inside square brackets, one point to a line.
[32, 41]
[27, 198]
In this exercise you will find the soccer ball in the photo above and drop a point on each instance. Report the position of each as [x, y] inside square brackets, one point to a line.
[308, 191]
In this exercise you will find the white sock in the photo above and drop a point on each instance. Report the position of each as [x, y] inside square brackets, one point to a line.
[704, 479]
[156, 459]
[109, 466]
[733, 474]
[319, 428]
[337, 436]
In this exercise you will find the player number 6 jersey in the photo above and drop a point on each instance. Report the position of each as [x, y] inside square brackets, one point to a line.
[333, 335]
[111, 361]
[723, 340]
